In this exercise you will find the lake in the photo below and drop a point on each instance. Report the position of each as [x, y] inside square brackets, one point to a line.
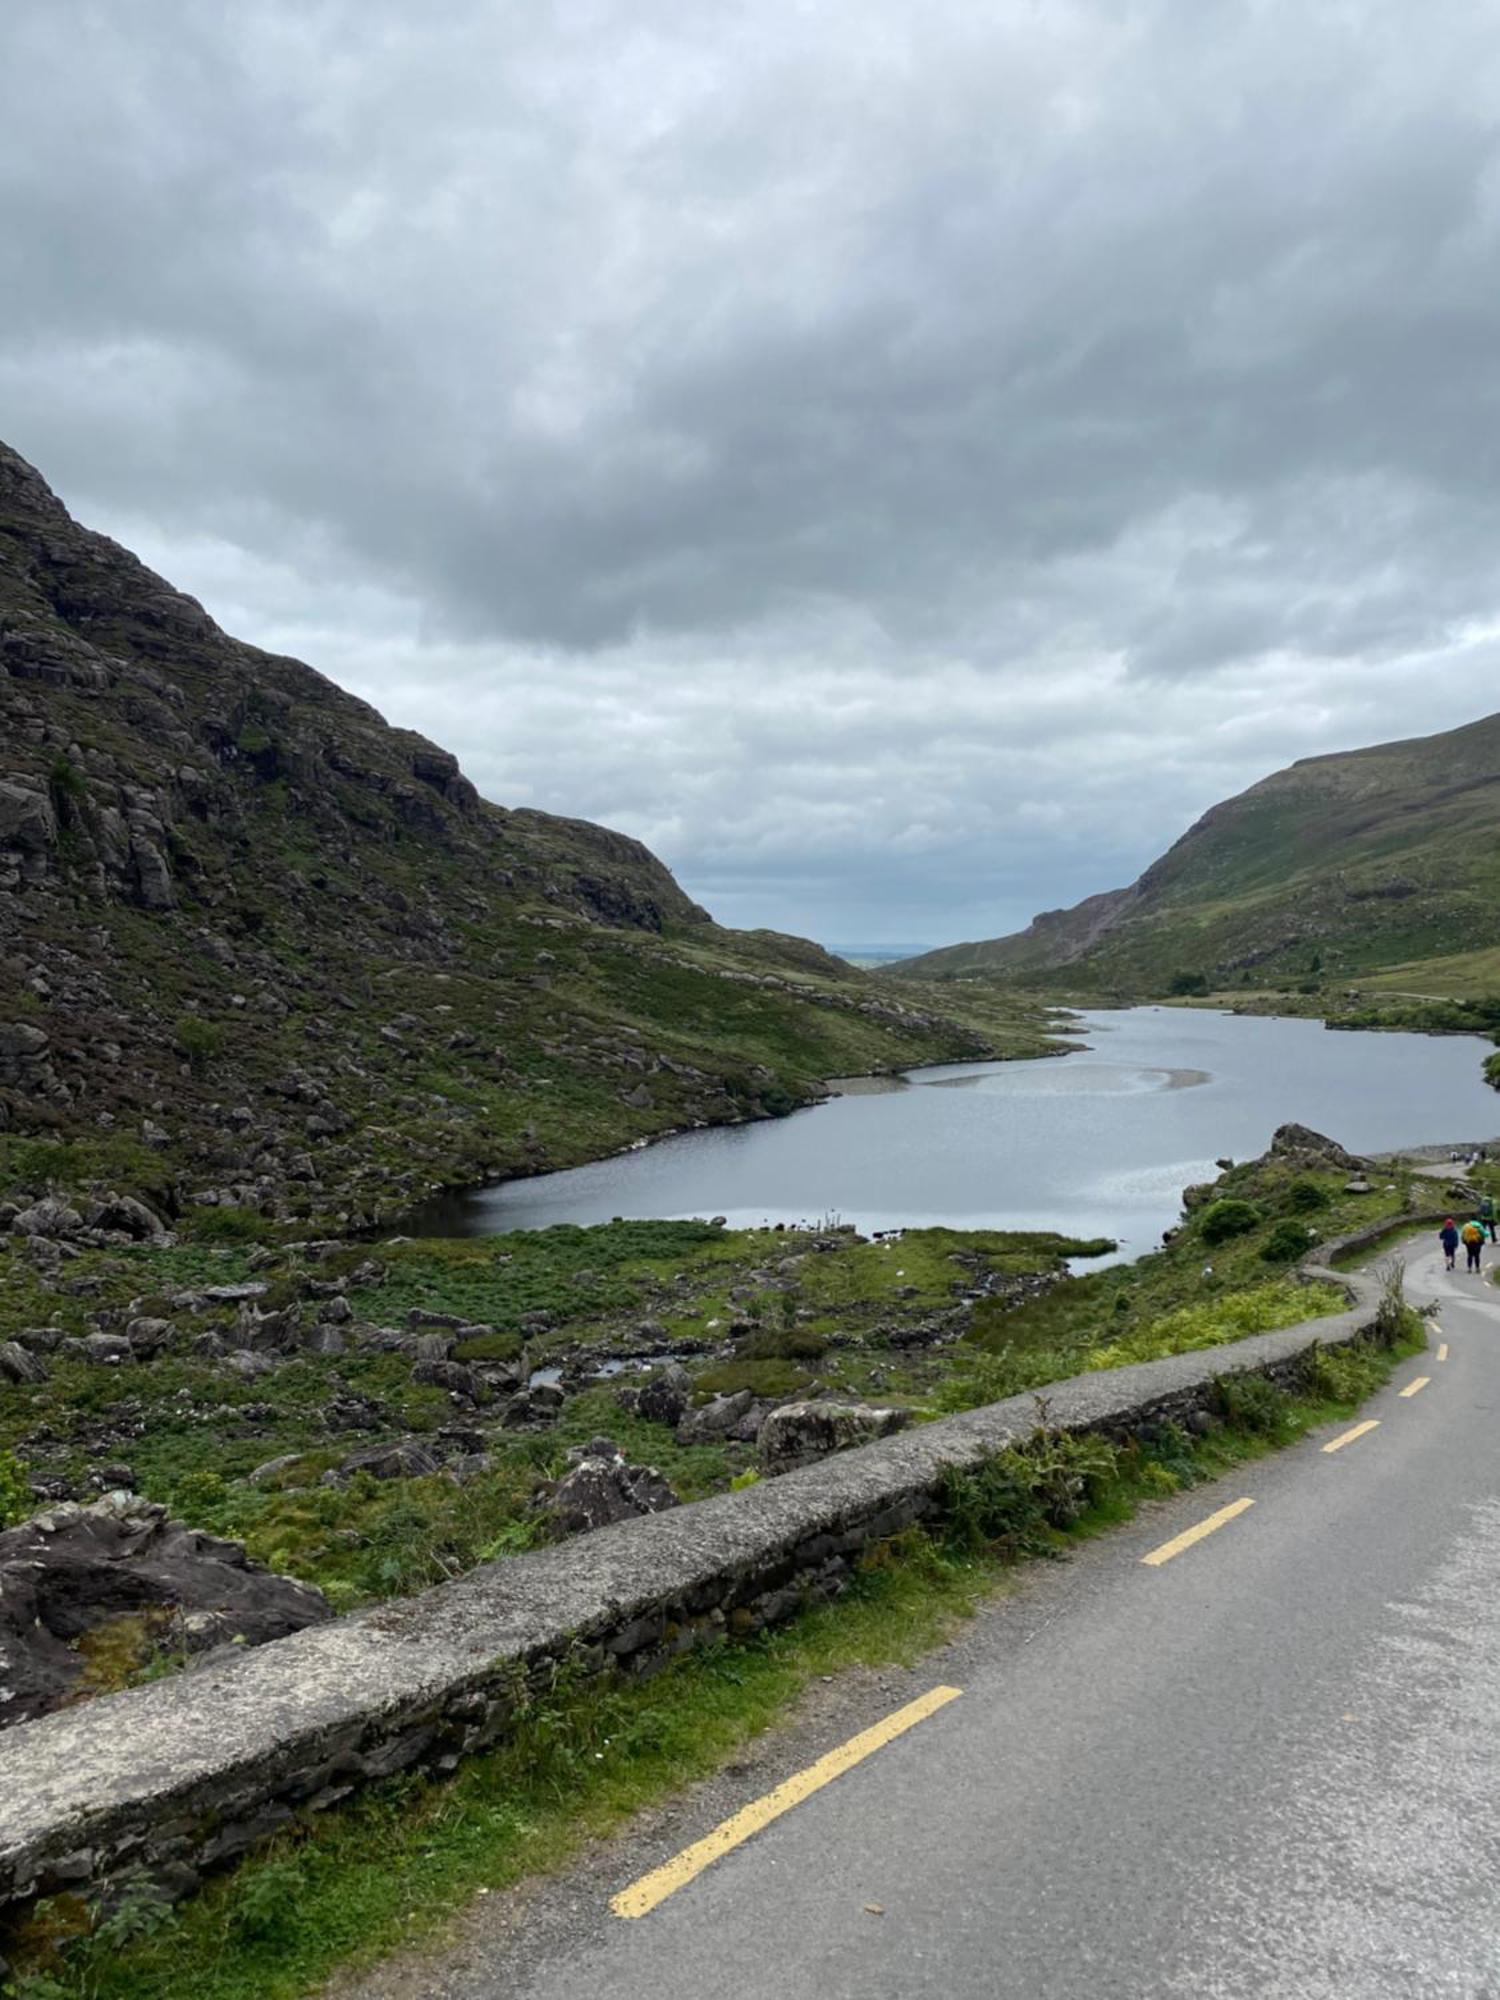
[1100, 1143]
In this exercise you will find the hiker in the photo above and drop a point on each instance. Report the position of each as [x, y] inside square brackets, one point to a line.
[1448, 1237]
[1487, 1213]
[1472, 1235]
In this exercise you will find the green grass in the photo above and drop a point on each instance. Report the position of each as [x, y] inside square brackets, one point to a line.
[390, 1869]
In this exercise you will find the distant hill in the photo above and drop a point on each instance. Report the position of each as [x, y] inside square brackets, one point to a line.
[262, 953]
[1334, 868]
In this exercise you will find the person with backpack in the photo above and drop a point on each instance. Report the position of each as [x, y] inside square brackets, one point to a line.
[1448, 1237]
[1472, 1236]
[1487, 1213]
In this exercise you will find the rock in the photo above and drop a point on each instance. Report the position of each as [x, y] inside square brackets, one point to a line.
[1358, 1187]
[470, 1465]
[663, 1399]
[73, 1568]
[148, 1336]
[1198, 1195]
[112, 1478]
[539, 1404]
[51, 1217]
[433, 1346]
[1311, 1149]
[408, 1458]
[602, 1487]
[250, 1365]
[127, 1217]
[799, 1433]
[269, 1474]
[17, 1365]
[716, 1420]
[27, 821]
[101, 1350]
[322, 1338]
[21, 1042]
[452, 1376]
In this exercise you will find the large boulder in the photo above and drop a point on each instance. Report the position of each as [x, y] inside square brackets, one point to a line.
[717, 1420]
[602, 1487]
[664, 1398]
[800, 1433]
[51, 1216]
[19, 1364]
[407, 1458]
[74, 1568]
[1306, 1148]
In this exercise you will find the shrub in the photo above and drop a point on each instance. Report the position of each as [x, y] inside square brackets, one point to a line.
[489, 1347]
[1225, 1219]
[1188, 982]
[1250, 1403]
[16, 1498]
[1017, 1496]
[1306, 1197]
[199, 1040]
[1286, 1241]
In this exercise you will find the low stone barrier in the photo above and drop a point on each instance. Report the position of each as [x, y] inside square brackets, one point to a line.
[164, 1781]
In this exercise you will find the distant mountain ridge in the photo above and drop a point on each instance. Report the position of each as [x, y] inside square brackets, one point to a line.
[262, 953]
[1340, 864]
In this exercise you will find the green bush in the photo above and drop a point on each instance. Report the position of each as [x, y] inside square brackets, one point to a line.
[1225, 1219]
[1015, 1498]
[16, 1498]
[1286, 1242]
[199, 1040]
[1250, 1403]
[489, 1347]
[784, 1343]
[1306, 1197]
[1183, 983]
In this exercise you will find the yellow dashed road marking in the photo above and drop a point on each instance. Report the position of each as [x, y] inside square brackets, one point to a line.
[1190, 1535]
[1420, 1383]
[1348, 1437]
[1442, 1350]
[644, 1895]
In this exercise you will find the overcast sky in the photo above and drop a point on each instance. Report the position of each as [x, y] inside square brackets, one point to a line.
[902, 461]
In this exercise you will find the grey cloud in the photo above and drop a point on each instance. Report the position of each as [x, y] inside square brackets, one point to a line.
[956, 445]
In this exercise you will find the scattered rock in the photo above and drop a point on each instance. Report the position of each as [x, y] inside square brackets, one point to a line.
[407, 1458]
[602, 1487]
[799, 1433]
[19, 1365]
[716, 1420]
[74, 1568]
[51, 1217]
[663, 1399]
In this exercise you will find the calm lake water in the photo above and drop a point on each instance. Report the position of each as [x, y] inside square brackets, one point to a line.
[1098, 1143]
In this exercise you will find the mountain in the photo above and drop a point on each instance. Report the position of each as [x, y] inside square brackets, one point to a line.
[1334, 869]
[263, 955]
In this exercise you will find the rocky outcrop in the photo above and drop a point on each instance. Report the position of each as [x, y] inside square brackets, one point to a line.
[72, 1570]
[1303, 1147]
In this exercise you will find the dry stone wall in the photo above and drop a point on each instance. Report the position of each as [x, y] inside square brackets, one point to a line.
[163, 1782]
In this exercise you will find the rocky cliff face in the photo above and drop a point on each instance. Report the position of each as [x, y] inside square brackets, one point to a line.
[258, 950]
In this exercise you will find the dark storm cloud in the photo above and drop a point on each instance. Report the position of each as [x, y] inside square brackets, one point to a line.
[908, 460]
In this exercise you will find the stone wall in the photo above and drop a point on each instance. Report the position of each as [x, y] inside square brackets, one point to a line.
[165, 1781]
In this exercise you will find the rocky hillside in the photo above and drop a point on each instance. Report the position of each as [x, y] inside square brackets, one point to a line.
[1334, 868]
[263, 955]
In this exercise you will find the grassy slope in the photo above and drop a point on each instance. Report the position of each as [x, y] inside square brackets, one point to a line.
[390, 1870]
[1340, 865]
[782, 1314]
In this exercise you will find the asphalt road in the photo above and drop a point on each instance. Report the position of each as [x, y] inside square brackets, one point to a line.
[1269, 1766]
